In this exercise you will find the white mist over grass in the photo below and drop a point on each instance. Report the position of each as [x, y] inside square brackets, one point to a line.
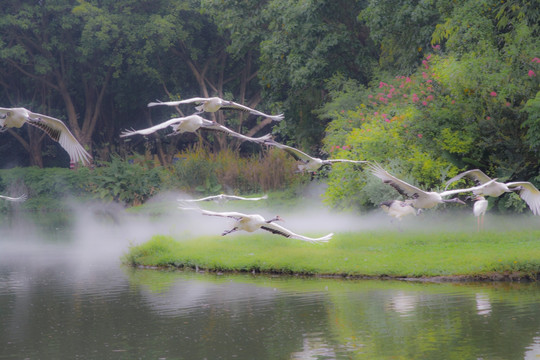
[101, 233]
[311, 217]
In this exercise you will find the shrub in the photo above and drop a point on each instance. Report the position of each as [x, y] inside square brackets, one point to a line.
[123, 181]
[134, 181]
[198, 170]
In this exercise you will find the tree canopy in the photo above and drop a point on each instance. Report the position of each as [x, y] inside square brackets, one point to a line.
[428, 88]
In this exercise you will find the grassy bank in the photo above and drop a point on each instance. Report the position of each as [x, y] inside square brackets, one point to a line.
[490, 255]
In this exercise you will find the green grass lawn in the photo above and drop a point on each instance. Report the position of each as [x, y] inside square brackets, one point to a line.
[373, 254]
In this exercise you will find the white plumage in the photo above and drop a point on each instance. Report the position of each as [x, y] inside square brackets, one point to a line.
[192, 123]
[490, 187]
[420, 199]
[480, 206]
[479, 210]
[56, 129]
[214, 104]
[398, 209]
[254, 222]
[17, 199]
[221, 198]
[309, 163]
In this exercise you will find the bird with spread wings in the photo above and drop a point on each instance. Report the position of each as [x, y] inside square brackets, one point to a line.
[221, 198]
[55, 128]
[252, 222]
[490, 187]
[193, 123]
[214, 104]
[420, 199]
[14, 199]
[309, 163]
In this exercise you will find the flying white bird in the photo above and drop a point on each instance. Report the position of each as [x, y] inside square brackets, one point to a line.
[56, 129]
[420, 199]
[221, 198]
[398, 209]
[17, 199]
[192, 123]
[479, 210]
[254, 222]
[214, 104]
[309, 163]
[490, 187]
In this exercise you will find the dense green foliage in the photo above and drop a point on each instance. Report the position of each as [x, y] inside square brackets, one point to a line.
[471, 103]
[352, 254]
[426, 88]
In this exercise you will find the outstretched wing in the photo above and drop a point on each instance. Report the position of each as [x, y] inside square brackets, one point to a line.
[208, 198]
[231, 105]
[231, 214]
[295, 153]
[152, 129]
[280, 230]
[529, 193]
[401, 186]
[17, 199]
[330, 161]
[175, 103]
[217, 127]
[234, 197]
[476, 174]
[59, 132]
[473, 189]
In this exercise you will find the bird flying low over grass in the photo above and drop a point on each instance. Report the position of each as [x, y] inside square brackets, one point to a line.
[192, 123]
[254, 222]
[398, 209]
[308, 163]
[221, 198]
[56, 129]
[490, 187]
[420, 199]
[17, 199]
[214, 104]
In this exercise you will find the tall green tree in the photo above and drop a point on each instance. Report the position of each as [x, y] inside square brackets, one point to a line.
[471, 103]
[402, 30]
[310, 42]
[73, 51]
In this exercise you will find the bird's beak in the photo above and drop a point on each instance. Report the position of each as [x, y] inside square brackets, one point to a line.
[460, 201]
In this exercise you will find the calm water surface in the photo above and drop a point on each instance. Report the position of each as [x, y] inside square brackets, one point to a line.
[65, 295]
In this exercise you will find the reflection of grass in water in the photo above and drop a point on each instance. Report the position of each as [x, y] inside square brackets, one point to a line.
[515, 294]
[156, 281]
[375, 253]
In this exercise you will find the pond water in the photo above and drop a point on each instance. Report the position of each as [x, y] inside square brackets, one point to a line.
[64, 294]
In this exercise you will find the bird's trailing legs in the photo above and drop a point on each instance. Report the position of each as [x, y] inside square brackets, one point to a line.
[229, 231]
[480, 223]
[173, 133]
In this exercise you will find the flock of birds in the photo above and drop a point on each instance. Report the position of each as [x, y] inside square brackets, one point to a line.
[485, 186]
[417, 199]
